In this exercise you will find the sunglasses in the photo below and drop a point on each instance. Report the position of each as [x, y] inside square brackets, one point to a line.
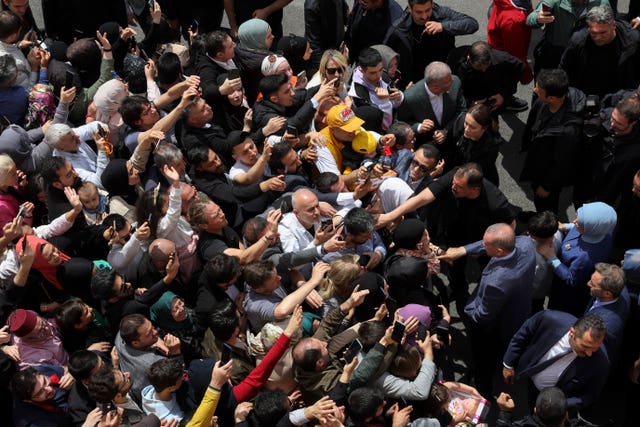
[423, 168]
[335, 70]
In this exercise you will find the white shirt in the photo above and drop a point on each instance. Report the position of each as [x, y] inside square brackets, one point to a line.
[293, 235]
[237, 169]
[436, 103]
[548, 377]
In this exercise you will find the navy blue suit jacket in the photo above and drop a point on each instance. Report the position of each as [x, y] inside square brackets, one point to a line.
[502, 301]
[615, 317]
[583, 379]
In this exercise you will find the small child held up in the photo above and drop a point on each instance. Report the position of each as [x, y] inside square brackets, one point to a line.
[95, 203]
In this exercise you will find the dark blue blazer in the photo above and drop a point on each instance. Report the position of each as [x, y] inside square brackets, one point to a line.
[615, 317]
[583, 379]
[502, 301]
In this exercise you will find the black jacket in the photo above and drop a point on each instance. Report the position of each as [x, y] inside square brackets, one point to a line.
[435, 47]
[579, 62]
[552, 141]
[264, 110]
[250, 63]
[324, 22]
[370, 29]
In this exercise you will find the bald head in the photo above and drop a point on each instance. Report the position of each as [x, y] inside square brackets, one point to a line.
[305, 207]
[160, 249]
[499, 240]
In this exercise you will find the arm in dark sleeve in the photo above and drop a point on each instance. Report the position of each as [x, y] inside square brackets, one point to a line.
[302, 118]
[454, 22]
[154, 293]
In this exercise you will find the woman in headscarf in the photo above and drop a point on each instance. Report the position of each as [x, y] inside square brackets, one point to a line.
[171, 316]
[586, 242]
[255, 41]
[121, 179]
[106, 103]
[408, 270]
[298, 52]
[477, 140]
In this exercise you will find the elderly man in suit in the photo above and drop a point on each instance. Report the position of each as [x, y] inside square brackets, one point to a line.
[554, 348]
[431, 106]
[502, 301]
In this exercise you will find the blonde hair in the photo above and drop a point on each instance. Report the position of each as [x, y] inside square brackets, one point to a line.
[344, 271]
[6, 163]
[331, 55]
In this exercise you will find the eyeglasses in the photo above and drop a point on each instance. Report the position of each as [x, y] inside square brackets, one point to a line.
[423, 168]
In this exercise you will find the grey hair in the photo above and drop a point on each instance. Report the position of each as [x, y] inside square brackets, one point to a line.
[502, 236]
[435, 72]
[601, 15]
[56, 132]
[612, 278]
[8, 70]
[166, 153]
[6, 163]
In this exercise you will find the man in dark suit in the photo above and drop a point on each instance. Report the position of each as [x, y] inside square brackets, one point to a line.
[502, 301]
[610, 300]
[552, 348]
[432, 105]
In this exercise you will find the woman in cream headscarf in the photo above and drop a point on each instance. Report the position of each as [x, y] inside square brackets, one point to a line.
[106, 104]
[255, 41]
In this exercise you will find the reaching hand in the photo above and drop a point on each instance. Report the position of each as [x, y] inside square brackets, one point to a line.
[295, 322]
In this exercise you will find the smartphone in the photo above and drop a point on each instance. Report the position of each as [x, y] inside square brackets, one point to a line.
[443, 334]
[547, 9]
[402, 402]
[233, 74]
[194, 25]
[292, 130]
[364, 260]
[398, 331]
[392, 306]
[151, 4]
[21, 212]
[69, 77]
[392, 84]
[422, 331]
[336, 84]
[24, 243]
[436, 313]
[302, 75]
[352, 351]
[149, 218]
[144, 55]
[107, 407]
[101, 131]
[325, 224]
[490, 102]
[225, 357]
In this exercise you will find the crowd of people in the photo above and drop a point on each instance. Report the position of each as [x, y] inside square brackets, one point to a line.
[209, 226]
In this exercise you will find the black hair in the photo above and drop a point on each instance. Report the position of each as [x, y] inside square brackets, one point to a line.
[169, 68]
[50, 168]
[543, 225]
[253, 228]
[214, 42]
[480, 53]
[370, 333]
[472, 172]
[102, 386]
[278, 151]
[198, 154]
[131, 109]
[269, 407]
[81, 363]
[369, 57]
[555, 82]
[270, 85]
[70, 314]
[10, 23]
[24, 383]
[257, 272]
[120, 221]
[102, 284]
[222, 268]
[325, 181]
[129, 326]
[223, 326]
[358, 221]
[165, 373]
[551, 407]
[590, 322]
[364, 402]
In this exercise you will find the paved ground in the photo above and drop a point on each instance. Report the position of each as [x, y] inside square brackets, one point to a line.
[609, 411]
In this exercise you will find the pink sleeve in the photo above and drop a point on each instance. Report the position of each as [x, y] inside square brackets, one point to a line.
[251, 385]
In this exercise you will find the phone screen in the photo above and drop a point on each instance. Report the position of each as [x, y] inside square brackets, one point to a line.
[398, 331]
[233, 74]
[422, 331]
[68, 79]
[352, 351]
[292, 130]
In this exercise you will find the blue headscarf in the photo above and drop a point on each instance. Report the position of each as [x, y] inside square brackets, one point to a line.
[598, 220]
[253, 33]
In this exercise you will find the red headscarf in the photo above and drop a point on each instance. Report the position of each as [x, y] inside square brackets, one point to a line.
[40, 263]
